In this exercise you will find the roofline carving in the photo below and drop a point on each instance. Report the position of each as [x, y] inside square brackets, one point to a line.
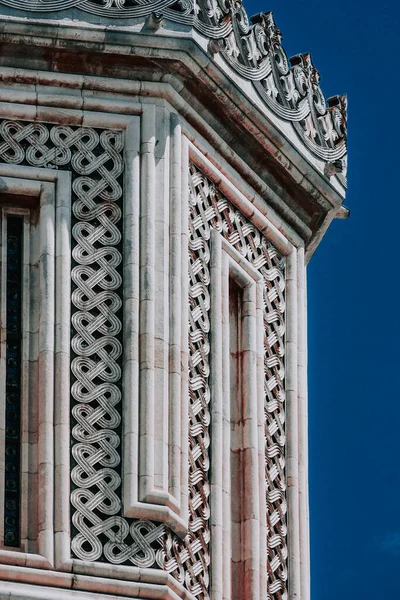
[253, 49]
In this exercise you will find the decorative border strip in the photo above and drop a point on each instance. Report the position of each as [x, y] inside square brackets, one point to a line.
[290, 89]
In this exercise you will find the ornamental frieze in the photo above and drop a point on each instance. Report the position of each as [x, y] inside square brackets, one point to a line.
[253, 49]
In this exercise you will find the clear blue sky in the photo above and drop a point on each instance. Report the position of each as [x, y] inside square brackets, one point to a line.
[354, 324]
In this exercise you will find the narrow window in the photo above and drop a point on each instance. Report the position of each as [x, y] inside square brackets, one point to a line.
[13, 344]
[18, 372]
[236, 409]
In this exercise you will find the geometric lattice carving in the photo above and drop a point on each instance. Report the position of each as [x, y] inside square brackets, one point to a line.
[102, 531]
[188, 561]
[95, 368]
[209, 208]
[290, 89]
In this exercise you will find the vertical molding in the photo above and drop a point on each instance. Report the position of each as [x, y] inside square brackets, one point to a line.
[131, 295]
[147, 298]
[185, 329]
[46, 372]
[62, 533]
[216, 390]
[33, 416]
[176, 302]
[155, 378]
[162, 155]
[303, 429]
[251, 481]
[226, 441]
[292, 448]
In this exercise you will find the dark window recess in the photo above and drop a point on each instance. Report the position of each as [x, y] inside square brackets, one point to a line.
[13, 382]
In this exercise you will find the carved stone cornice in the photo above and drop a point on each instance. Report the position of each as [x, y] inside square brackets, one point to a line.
[252, 48]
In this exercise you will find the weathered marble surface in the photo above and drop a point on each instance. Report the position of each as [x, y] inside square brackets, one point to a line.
[182, 174]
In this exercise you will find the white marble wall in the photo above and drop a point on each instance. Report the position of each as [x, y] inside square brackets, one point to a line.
[157, 394]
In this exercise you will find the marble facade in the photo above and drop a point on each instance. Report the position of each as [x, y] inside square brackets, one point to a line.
[173, 172]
